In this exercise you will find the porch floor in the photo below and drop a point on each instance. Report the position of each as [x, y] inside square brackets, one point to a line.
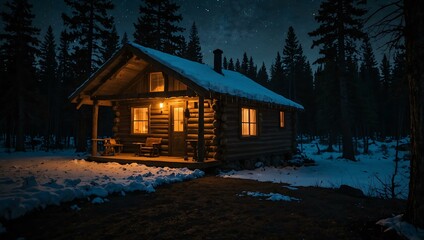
[160, 161]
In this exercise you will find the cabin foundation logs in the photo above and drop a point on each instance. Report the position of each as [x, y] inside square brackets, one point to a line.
[219, 141]
[116, 120]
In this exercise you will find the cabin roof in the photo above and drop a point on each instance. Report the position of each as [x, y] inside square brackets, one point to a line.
[202, 75]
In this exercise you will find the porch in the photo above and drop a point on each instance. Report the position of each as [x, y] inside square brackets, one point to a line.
[161, 161]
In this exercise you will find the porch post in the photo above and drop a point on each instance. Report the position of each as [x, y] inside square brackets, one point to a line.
[94, 127]
[201, 138]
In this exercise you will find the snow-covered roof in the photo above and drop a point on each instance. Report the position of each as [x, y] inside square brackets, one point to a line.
[230, 82]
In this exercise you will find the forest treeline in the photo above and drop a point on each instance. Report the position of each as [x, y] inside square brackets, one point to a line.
[351, 93]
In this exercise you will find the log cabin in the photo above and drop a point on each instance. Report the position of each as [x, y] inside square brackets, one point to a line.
[196, 110]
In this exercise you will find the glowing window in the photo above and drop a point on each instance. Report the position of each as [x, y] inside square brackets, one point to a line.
[281, 119]
[178, 119]
[248, 122]
[157, 82]
[140, 120]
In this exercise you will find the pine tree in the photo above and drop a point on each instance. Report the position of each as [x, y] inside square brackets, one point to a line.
[341, 23]
[231, 66]
[252, 69]
[88, 26]
[328, 112]
[110, 44]
[225, 63]
[50, 85]
[414, 25]
[367, 90]
[237, 67]
[124, 39]
[291, 55]
[386, 83]
[19, 43]
[399, 95]
[277, 76]
[157, 26]
[67, 83]
[182, 48]
[194, 51]
[262, 77]
[244, 68]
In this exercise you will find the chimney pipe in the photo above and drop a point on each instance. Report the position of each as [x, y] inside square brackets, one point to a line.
[217, 61]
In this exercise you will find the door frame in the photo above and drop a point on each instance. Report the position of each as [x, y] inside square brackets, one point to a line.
[171, 128]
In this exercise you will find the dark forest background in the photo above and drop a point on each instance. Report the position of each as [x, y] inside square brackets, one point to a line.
[350, 96]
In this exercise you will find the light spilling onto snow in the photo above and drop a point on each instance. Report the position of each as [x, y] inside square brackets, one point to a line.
[372, 172]
[270, 196]
[36, 182]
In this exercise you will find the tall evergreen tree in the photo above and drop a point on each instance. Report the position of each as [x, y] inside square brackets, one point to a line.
[124, 39]
[110, 44]
[414, 35]
[386, 83]
[367, 92]
[225, 63]
[237, 66]
[291, 55]
[50, 86]
[157, 26]
[65, 76]
[20, 47]
[399, 95]
[88, 25]
[252, 69]
[231, 65]
[194, 51]
[341, 23]
[262, 77]
[182, 48]
[244, 68]
[277, 76]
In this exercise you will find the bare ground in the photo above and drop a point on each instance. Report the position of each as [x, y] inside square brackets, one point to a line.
[211, 208]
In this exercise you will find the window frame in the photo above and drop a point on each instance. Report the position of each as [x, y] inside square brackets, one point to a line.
[150, 81]
[282, 119]
[249, 122]
[133, 121]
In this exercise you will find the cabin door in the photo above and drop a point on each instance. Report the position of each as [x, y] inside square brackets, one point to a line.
[177, 133]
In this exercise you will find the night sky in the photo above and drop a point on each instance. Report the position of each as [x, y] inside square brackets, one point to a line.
[257, 27]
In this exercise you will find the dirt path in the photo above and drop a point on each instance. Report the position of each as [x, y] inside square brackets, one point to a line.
[210, 208]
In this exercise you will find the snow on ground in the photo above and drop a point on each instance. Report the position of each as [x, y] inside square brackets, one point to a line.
[34, 180]
[371, 173]
[269, 196]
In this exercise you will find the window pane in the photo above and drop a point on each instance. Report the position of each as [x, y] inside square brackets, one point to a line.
[252, 116]
[282, 119]
[140, 120]
[178, 119]
[245, 129]
[245, 115]
[253, 129]
[157, 82]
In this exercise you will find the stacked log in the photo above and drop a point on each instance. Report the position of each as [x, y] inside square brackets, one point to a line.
[116, 120]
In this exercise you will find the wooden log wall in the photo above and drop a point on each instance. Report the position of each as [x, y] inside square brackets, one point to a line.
[271, 138]
[160, 123]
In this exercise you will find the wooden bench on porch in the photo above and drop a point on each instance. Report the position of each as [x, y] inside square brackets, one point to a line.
[151, 147]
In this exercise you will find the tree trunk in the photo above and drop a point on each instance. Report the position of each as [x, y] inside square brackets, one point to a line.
[414, 37]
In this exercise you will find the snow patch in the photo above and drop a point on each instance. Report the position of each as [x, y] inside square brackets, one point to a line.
[32, 180]
[402, 228]
[270, 196]
[371, 173]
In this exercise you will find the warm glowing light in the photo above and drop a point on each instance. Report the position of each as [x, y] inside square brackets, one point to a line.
[161, 105]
